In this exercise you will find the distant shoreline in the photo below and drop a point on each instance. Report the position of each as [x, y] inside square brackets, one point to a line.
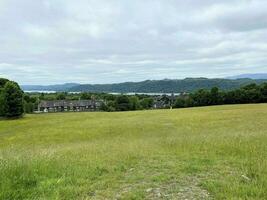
[114, 93]
[153, 87]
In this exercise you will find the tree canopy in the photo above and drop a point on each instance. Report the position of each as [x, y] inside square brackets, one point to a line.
[11, 99]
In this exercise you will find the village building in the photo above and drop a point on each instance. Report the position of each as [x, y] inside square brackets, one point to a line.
[163, 101]
[69, 105]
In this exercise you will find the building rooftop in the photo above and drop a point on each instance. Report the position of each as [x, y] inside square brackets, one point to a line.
[66, 103]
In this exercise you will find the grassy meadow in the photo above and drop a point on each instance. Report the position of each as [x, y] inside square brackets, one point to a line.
[217, 152]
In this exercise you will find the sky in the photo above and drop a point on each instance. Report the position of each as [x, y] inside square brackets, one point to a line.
[107, 41]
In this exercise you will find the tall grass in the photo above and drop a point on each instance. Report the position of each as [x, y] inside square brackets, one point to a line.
[215, 152]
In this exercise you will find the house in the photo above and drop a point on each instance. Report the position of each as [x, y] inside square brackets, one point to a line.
[69, 105]
[164, 101]
[159, 104]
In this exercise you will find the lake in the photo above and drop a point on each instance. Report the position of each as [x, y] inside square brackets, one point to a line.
[114, 93]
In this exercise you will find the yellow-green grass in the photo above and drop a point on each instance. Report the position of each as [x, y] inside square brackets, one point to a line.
[215, 152]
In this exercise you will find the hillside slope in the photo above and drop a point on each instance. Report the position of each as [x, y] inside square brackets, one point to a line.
[198, 153]
[152, 86]
[251, 76]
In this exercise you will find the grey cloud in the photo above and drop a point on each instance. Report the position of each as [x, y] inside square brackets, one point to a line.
[100, 41]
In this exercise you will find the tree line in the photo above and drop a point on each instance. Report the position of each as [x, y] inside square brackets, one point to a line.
[251, 93]
[14, 102]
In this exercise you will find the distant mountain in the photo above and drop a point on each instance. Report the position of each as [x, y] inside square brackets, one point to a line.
[150, 86]
[166, 85]
[251, 76]
[58, 87]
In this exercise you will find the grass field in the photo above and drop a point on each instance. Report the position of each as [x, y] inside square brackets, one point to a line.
[215, 152]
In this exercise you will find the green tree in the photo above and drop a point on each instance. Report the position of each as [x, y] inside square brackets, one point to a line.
[30, 103]
[13, 100]
[146, 103]
[42, 96]
[179, 103]
[263, 90]
[61, 96]
[214, 95]
[2, 103]
[122, 103]
[134, 103]
[189, 102]
[86, 96]
[251, 93]
[3, 81]
[111, 106]
[103, 106]
[201, 98]
[29, 107]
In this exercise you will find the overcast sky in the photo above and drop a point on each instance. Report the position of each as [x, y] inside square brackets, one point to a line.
[106, 41]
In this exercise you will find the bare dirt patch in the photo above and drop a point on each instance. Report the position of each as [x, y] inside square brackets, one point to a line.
[187, 188]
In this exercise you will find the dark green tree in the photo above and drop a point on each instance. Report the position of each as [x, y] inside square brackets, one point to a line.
[122, 103]
[30, 103]
[103, 106]
[263, 90]
[179, 103]
[3, 81]
[134, 103]
[189, 102]
[251, 93]
[214, 95]
[146, 103]
[201, 98]
[61, 96]
[13, 100]
[86, 96]
[111, 106]
[2, 103]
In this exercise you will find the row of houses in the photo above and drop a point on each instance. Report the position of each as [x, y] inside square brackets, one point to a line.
[163, 101]
[160, 101]
[69, 105]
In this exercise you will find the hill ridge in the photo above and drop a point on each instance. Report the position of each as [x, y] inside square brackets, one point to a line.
[151, 86]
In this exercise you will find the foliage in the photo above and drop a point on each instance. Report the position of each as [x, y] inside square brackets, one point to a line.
[146, 103]
[13, 100]
[251, 93]
[2, 103]
[180, 103]
[3, 81]
[30, 103]
[61, 96]
[122, 103]
[85, 96]
[134, 103]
